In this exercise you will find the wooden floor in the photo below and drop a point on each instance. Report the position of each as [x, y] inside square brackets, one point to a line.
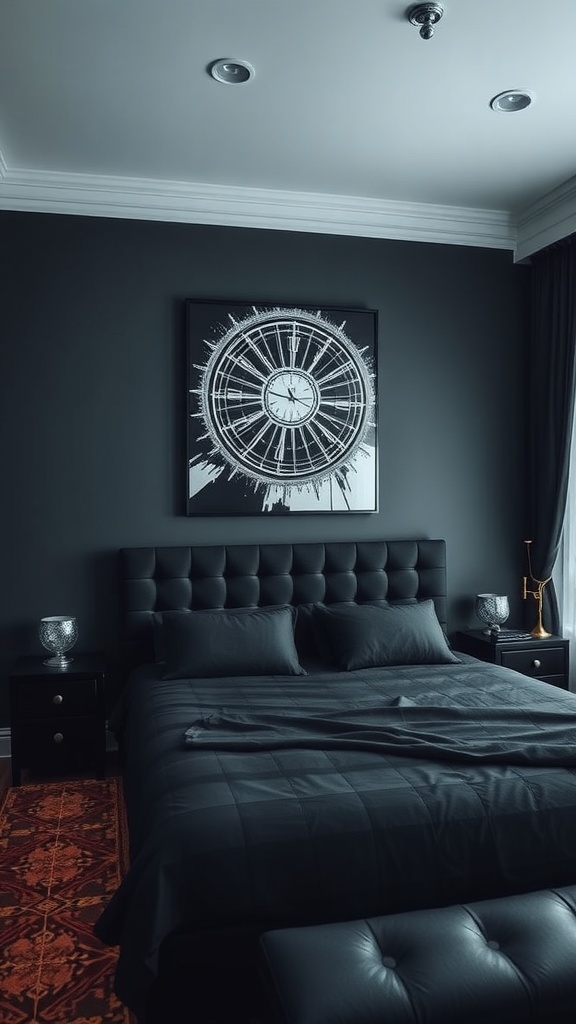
[4, 775]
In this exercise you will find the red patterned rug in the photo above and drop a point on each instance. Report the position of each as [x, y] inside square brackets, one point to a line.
[62, 853]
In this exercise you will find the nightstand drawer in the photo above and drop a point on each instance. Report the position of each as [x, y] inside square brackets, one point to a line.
[542, 661]
[46, 743]
[44, 698]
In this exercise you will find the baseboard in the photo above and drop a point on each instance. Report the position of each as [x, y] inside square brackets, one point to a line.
[4, 742]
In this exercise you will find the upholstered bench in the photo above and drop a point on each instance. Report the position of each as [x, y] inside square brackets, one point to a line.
[501, 961]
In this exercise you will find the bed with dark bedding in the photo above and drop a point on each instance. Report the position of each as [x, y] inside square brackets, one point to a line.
[301, 745]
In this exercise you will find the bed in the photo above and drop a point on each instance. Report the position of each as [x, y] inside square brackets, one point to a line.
[301, 745]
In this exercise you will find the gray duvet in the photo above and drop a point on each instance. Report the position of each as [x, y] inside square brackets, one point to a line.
[290, 800]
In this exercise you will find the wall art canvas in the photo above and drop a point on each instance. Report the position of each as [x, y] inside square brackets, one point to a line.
[281, 409]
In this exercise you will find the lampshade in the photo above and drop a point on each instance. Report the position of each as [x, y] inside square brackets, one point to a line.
[493, 609]
[58, 634]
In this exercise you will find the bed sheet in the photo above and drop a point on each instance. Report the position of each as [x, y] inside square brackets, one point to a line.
[312, 833]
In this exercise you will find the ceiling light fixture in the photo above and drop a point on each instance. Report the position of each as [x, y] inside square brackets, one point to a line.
[425, 17]
[510, 101]
[231, 71]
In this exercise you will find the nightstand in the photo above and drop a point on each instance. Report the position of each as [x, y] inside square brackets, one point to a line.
[58, 716]
[545, 659]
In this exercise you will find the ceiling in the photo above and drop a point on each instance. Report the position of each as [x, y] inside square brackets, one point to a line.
[352, 124]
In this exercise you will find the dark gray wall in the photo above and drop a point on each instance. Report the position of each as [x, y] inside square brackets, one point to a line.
[92, 389]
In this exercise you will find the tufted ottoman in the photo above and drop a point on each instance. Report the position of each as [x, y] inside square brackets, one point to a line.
[503, 961]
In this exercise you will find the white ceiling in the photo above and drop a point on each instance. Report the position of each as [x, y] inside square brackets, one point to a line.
[352, 124]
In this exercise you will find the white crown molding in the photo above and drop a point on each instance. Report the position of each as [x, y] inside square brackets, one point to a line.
[548, 220]
[183, 202]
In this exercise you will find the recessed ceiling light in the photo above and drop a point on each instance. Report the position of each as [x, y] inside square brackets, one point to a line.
[231, 71]
[510, 101]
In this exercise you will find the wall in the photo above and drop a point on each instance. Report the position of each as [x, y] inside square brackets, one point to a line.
[92, 392]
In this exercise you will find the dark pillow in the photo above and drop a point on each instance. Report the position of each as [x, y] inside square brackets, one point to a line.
[158, 631]
[353, 636]
[230, 642]
[158, 622]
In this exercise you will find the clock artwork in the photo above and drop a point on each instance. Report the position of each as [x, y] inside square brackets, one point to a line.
[281, 409]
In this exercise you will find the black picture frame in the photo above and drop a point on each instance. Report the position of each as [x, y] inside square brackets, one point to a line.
[281, 409]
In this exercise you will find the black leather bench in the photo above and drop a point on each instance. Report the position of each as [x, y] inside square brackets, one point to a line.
[503, 961]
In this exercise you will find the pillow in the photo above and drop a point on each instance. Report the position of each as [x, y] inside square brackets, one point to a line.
[159, 642]
[158, 632]
[353, 636]
[230, 642]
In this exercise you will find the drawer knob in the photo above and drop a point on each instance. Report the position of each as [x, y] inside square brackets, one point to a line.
[536, 663]
[57, 698]
[58, 737]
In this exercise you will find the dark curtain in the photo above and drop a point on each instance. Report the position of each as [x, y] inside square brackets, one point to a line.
[551, 407]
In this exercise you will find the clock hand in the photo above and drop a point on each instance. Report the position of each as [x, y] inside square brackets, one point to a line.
[279, 394]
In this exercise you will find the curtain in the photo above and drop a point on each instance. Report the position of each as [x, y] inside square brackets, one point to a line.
[565, 571]
[551, 369]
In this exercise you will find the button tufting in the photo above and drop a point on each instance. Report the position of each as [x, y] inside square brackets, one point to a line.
[388, 961]
[493, 944]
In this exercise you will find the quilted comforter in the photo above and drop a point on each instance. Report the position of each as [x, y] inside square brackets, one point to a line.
[277, 801]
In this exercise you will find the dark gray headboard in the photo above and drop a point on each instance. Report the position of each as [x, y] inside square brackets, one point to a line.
[245, 575]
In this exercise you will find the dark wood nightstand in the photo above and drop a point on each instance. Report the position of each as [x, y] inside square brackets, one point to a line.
[545, 659]
[58, 716]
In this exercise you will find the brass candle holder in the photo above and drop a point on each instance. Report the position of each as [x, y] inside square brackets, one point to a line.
[536, 591]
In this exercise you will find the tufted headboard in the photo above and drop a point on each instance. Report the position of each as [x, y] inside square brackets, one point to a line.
[245, 575]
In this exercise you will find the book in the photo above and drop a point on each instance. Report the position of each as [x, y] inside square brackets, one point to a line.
[511, 634]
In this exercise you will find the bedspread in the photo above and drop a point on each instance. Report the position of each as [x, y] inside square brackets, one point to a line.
[439, 733]
[296, 833]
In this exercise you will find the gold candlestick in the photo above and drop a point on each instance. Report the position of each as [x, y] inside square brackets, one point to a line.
[537, 592]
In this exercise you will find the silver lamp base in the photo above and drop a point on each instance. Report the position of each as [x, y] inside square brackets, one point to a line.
[58, 634]
[493, 610]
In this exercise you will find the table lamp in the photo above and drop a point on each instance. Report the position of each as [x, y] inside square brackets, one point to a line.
[58, 633]
[493, 609]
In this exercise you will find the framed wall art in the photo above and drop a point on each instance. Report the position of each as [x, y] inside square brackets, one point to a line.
[281, 409]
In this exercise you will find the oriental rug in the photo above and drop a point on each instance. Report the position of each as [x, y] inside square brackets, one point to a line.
[63, 850]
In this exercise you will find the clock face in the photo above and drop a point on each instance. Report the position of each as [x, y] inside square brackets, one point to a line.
[286, 396]
[291, 397]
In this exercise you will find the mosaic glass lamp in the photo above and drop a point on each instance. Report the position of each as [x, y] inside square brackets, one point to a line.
[58, 634]
[492, 609]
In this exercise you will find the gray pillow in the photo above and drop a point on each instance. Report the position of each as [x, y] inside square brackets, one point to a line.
[230, 642]
[354, 636]
[158, 631]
